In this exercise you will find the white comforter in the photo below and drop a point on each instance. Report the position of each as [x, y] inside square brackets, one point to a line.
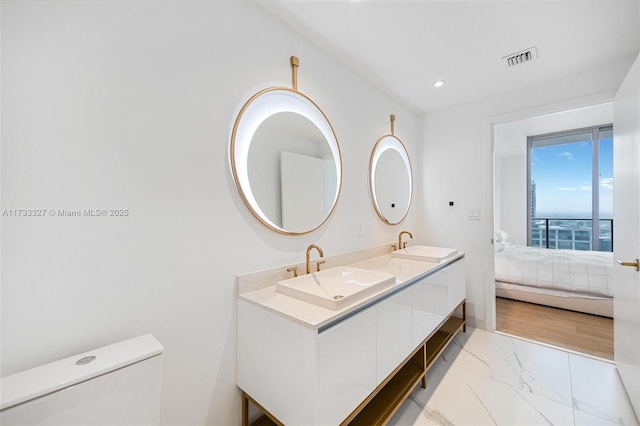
[574, 270]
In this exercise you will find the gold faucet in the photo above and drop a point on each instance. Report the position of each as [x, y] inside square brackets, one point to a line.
[400, 245]
[293, 269]
[311, 247]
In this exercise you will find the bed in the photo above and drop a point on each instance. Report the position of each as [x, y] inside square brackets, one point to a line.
[568, 279]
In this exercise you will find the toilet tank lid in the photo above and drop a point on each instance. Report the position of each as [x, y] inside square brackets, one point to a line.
[39, 381]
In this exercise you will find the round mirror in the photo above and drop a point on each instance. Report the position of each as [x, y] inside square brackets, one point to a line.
[286, 161]
[390, 179]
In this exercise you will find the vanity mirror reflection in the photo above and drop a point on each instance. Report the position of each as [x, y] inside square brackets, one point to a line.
[285, 159]
[390, 178]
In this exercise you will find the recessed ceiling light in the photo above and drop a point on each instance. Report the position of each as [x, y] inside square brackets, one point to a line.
[438, 83]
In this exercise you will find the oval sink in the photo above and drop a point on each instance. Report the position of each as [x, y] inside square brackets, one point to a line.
[335, 288]
[425, 253]
[402, 269]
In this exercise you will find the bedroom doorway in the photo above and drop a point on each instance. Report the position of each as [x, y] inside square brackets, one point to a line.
[557, 295]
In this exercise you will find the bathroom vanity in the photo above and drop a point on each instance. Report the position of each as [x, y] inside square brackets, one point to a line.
[345, 345]
[304, 364]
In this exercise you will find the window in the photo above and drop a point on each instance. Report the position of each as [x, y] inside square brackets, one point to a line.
[570, 188]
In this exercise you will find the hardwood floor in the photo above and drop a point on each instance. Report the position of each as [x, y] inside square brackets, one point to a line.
[580, 332]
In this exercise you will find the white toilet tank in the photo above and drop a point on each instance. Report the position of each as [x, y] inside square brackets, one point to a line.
[119, 384]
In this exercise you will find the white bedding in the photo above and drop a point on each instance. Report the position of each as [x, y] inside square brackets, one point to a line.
[572, 270]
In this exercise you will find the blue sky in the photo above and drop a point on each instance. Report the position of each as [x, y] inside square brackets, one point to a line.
[563, 176]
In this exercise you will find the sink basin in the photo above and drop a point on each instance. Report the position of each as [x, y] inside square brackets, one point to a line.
[425, 253]
[335, 288]
[402, 269]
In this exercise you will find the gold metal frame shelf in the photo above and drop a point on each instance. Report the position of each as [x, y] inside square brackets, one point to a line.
[387, 398]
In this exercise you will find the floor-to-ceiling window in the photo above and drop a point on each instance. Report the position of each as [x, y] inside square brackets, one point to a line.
[570, 185]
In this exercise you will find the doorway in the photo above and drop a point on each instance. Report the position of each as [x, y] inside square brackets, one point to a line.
[546, 295]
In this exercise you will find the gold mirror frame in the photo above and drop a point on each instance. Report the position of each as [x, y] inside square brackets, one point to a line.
[254, 112]
[386, 142]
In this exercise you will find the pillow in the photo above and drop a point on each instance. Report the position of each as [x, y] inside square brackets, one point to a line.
[498, 246]
[501, 236]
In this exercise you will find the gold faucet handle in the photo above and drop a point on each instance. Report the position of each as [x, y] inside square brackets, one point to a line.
[293, 269]
[394, 247]
[318, 263]
[404, 245]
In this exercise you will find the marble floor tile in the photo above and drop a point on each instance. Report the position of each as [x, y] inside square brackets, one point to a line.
[526, 366]
[466, 398]
[412, 413]
[492, 379]
[584, 419]
[598, 390]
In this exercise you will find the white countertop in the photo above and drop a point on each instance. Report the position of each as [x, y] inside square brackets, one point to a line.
[309, 315]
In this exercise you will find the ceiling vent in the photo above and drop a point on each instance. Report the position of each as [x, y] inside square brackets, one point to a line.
[521, 57]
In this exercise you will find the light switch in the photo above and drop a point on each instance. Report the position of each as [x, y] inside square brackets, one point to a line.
[473, 214]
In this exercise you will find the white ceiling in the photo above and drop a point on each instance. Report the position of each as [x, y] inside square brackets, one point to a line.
[403, 46]
[510, 139]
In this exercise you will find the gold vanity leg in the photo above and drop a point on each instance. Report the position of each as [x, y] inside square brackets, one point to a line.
[464, 316]
[245, 409]
[266, 414]
[424, 365]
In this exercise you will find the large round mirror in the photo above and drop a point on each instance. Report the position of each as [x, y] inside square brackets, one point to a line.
[286, 161]
[390, 179]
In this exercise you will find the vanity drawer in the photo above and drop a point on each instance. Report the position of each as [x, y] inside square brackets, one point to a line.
[393, 341]
[433, 298]
[346, 366]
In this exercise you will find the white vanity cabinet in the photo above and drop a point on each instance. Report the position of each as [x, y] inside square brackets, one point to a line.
[346, 366]
[433, 298]
[334, 374]
[393, 333]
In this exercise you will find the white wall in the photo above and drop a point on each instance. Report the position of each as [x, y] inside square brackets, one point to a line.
[456, 164]
[130, 105]
[513, 200]
[510, 147]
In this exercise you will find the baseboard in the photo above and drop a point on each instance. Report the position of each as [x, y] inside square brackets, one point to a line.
[477, 323]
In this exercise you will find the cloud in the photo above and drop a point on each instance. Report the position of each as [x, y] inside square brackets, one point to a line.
[606, 183]
[585, 187]
[567, 155]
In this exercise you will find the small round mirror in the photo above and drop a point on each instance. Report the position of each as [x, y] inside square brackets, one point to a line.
[390, 180]
[286, 161]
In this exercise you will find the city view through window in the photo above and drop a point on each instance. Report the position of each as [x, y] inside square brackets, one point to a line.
[571, 190]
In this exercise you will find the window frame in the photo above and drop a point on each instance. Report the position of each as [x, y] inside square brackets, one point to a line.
[595, 176]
